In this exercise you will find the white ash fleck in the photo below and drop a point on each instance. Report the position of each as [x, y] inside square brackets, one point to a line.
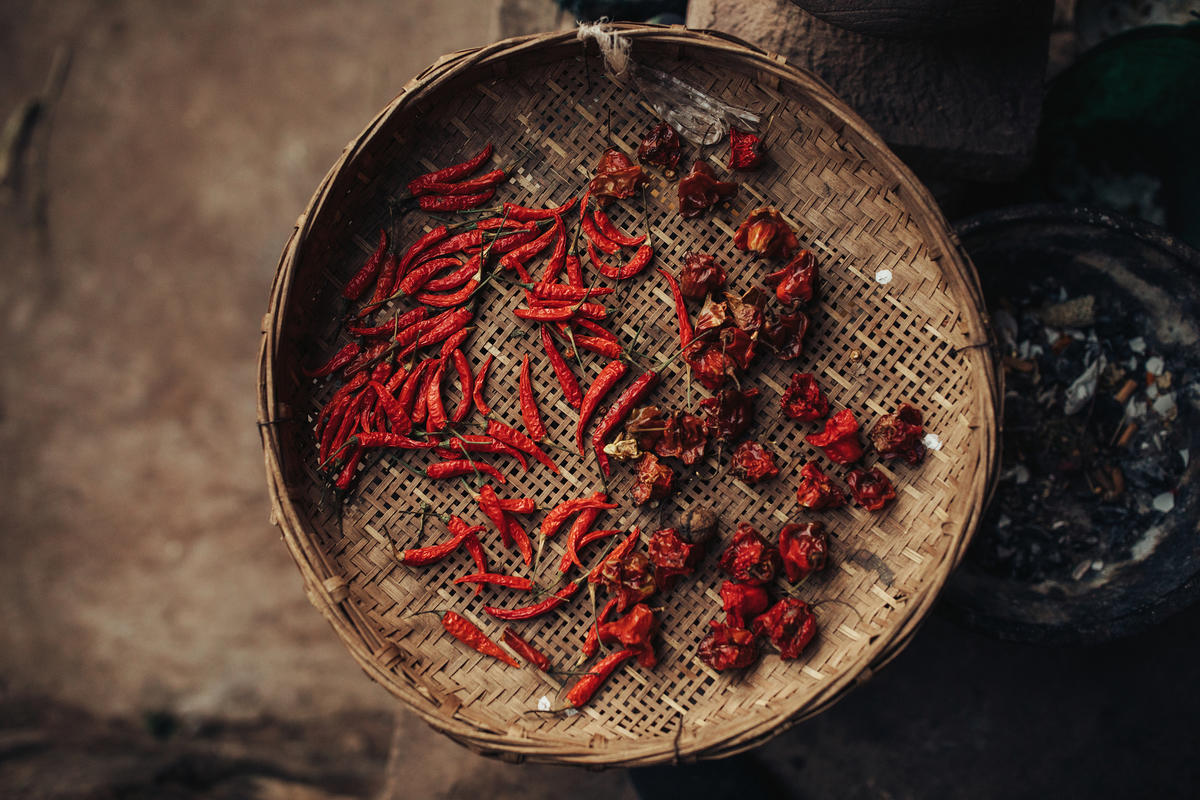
[1025, 348]
[1084, 387]
[1163, 502]
[1004, 521]
[1052, 335]
[1186, 455]
[1019, 473]
[883, 277]
[572, 712]
[1135, 409]
[1137, 344]
[1036, 350]
[1152, 391]
[544, 703]
[1155, 365]
[932, 442]
[1078, 335]
[1132, 363]
[1006, 325]
[1165, 405]
[1097, 565]
[1059, 525]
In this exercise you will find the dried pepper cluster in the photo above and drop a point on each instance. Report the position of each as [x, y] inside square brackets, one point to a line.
[752, 563]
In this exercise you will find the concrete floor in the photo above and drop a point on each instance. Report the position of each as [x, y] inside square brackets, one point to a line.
[138, 571]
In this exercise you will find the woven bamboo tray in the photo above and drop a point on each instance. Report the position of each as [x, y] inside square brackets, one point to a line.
[919, 338]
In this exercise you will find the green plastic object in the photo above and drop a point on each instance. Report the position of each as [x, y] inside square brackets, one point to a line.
[1121, 129]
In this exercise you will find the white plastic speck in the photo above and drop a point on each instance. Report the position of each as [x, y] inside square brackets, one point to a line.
[1137, 344]
[1186, 455]
[1155, 365]
[932, 442]
[1164, 502]
[571, 712]
[544, 703]
[883, 277]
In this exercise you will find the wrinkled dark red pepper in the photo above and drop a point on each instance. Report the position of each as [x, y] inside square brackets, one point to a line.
[709, 362]
[683, 437]
[790, 625]
[713, 314]
[728, 413]
[700, 275]
[727, 647]
[786, 334]
[672, 557]
[900, 435]
[753, 463]
[745, 150]
[617, 177]
[700, 190]
[766, 233]
[661, 146]
[796, 281]
[803, 400]
[646, 425]
[737, 345]
[750, 558]
[804, 548]
[655, 480]
[747, 312]
[816, 491]
[839, 440]
[742, 602]
[871, 489]
[630, 577]
[633, 631]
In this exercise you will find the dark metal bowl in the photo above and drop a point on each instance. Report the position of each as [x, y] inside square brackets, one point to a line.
[1158, 273]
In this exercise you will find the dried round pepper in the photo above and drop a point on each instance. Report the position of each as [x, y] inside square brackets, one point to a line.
[796, 281]
[700, 190]
[752, 462]
[700, 275]
[839, 440]
[900, 435]
[870, 488]
[790, 625]
[750, 558]
[672, 557]
[654, 480]
[661, 146]
[742, 601]
[804, 549]
[745, 150]
[766, 233]
[728, 647]
[816, 491]
[803, 399]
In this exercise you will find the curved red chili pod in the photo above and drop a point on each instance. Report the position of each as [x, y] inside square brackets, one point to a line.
[561, 512]
[339, 359]
[558, 258]
[636, 264]
[601, 386]
[634, 394]
[596, 238]
[514, 438]
[426, 241]
[496, 579]
[460, 202]
[480, 384]
[529, 410]
[463, 368]
[537, 609]
[611, 232]
[436, 419]
[468, 633]
[525, 650]
[566, 378]
[681, 312]
[460, 467]
[367, 273]
[455, 279]
[523, 214]
[586, 687]
[517, 533]
[451, 173]
[582, 524]
[473, 186]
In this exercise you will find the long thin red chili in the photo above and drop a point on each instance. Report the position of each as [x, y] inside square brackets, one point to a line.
[597, 239]
[461, 466]
[596, 329]
[392, 326]
[373, 439]
[634, 394]
[517, 533]
[436, 421]
[513, 437]
[387, 275]
[455, 202]
[562, 512]
[574, 271]
[475, 548]
[635, 265]
[397, 419]
[601, 386]
[518, 505]
[480, 384]
[474, 185]
[418, 247]
[529, 410]
[368, 272]
[611, 232]
[347, 474]
[453, 172]
[558, 258]
[566, 378]
[523, 214]
[497, 579]
[489, 504]
[469, 634]
[537, 609]
[408, 392]
[591, 642]
[339, 359]
[681, 312]
[586, 687]
[454, 279]
[605, 347]
[454, 342]
[582, 524]
[525, 650]
[527, 251]
[465, 382]
[430, 554]
[445, 325]
[563, 291]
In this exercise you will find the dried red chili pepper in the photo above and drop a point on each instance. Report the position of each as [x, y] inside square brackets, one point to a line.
[597, 239]
[408, 392]
[790, 625]
[629, 577]
[558, 258]
[803, 400]
[489, 504]
[436, 420]
[563, 511]
[622, 549]
[601, 346]
[646, 425]
[451, 173]
[566, 378]
[593, 310]
[462, 466]
[571, 294]
[795, 281]
[634, 631]
[617, 177]
[713, 314]
[750, 558]
[466, 632]
[612, 233]
[480, 384]
[529, 409]
[804, 548]
[817, 491]
[418, 247]
[672, 557]
[339, 359]
[661, 146]
[640, 260]
[485, 181]
[392, 326]
[368, 272]
[574, 271]
[517, 533]
[423, 556]
[444, 325]
[387, 275]
[366, 358]
[742, 601]
[766, 233]
[525, 650]
[579, 527]
[601, 386]
[374, 439]
[701, 274]
[346, 476]
[519, 256]
[397, 419]
[728, 413]
[752, 463]
[737, 346]
[633, 394]
[839, 440]
[654, 480]
[454, 342]
[586, 687]
[514, 438]
[592, 641]
[871, 489]
[786, 334]
[518, 505]
[900, 435]
[745, 150]
[709, 363]
[537, 609]
[700, 190]
[523, 214]
[463, 368]
[727, 647]
[498, 579]
[595, 328]
[451, 299]
[681, 312]
[458, 202]
[475, 548]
